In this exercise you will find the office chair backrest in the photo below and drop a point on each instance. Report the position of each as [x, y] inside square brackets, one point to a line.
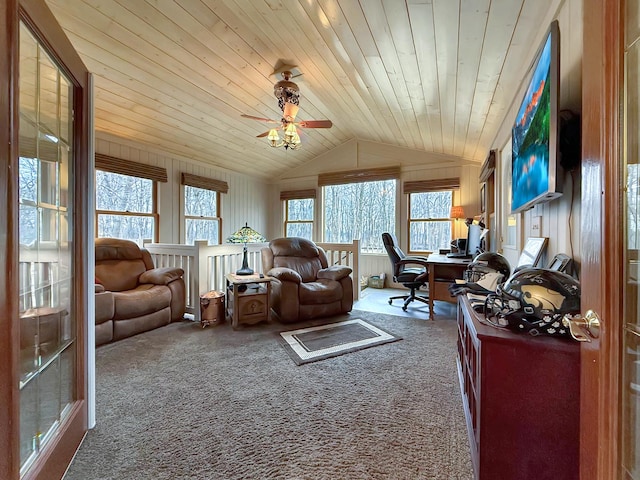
[394, 252]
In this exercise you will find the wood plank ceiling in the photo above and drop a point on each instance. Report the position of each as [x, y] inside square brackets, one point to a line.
[175, 76]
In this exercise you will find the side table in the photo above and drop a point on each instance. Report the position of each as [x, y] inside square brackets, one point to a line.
[248, 299]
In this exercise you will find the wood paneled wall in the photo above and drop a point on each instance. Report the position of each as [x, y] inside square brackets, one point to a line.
[245, 202]
[559, 220]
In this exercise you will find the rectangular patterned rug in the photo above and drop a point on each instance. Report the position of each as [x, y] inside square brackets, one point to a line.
[311, 344]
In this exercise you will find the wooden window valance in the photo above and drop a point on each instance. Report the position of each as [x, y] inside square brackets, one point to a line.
[130, 168]
[488, 166]
[434, 185]
[297, 194]
[358, 176]
[204, 183]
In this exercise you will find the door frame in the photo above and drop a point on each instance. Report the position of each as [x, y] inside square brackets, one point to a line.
[602, 247]
[58, 453]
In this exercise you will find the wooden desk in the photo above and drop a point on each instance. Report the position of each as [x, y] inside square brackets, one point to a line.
[442, 272]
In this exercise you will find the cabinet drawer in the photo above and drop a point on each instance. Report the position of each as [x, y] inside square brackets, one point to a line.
[252, 308]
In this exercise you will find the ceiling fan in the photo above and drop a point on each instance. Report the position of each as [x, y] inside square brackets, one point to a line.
[288, 95]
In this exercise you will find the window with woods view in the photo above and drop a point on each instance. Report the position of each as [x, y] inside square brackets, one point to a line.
[360, 211]
[125, 206]
[201, 218]
[299, 217]
[429, 222]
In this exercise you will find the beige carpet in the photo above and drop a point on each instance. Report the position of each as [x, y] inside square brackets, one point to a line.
[182, 402]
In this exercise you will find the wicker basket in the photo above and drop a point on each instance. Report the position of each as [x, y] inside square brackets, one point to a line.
[376, 281]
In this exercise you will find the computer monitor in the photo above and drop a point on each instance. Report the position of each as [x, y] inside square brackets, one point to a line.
[474, 238]
[470, 247]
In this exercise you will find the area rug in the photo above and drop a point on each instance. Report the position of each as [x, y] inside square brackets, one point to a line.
[311, 344]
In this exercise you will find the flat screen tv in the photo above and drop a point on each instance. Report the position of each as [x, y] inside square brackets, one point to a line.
[536, 175]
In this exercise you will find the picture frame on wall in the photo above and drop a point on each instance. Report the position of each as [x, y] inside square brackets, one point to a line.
[482, 198]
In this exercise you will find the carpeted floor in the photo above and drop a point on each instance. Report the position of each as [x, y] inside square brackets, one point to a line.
[182, 402]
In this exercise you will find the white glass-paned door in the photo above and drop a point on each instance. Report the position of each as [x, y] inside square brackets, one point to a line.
[47, 325]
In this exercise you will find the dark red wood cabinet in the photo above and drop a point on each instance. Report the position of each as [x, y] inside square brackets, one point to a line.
[521, 398]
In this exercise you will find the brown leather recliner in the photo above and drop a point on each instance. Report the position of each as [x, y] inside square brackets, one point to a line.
[132, 296]
[304, 286]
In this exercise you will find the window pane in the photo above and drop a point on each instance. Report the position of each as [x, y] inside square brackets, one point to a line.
[633, 207]
[48, 182]
[123, 193]
[300, 209]
[28, 224]
[304, 230]
[48, 94]
[199, 202]
[28, 172]
[127, 227]
[429, 236]
[430, 204]
[361, 211]
[202, 230]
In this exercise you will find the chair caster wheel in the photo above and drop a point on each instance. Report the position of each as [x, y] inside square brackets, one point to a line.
[390, 302]
[404, 308]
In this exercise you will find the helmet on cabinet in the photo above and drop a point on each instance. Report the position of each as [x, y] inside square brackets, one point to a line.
[482, 277]
[485, 266]
[534, 300]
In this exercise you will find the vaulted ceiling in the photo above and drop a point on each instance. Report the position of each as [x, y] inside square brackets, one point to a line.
[175, 76]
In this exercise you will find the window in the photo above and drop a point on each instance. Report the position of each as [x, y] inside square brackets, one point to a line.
[299, 218]
[429, 222]
[201, 219]
[202, 208]
[362, 211]
[125, 206]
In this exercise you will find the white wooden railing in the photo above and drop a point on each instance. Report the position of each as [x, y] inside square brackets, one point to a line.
[206, 266]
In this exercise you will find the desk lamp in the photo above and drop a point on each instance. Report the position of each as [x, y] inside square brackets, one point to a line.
[246, 235]
[457, 212]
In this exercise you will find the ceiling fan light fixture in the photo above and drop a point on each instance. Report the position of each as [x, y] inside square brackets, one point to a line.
[288, 95]
[273, 138]
[290, 132]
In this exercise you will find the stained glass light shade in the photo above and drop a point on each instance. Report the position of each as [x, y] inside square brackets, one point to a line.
[246, 235]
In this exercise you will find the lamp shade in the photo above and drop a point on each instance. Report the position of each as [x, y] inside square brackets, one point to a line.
[246, 235]
[457, 211]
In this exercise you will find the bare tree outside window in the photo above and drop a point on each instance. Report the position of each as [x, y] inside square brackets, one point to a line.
[633, 207]
[201, 215]
[360, 211]
[28, 185]
[125, 206]
[429, 223]
[299, 218]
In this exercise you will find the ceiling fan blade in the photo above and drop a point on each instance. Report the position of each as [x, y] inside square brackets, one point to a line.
[260, 119]
[263, 134]
[290, 111]
[316, 124]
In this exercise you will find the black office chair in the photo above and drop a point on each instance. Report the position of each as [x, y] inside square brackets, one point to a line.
[412, 277]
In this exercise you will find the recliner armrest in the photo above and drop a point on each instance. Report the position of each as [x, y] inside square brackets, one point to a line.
[285, 274]
[334, 272]
[161, 276]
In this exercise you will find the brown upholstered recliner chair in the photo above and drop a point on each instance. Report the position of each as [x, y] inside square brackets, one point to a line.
[305, 286]
[131, 295]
